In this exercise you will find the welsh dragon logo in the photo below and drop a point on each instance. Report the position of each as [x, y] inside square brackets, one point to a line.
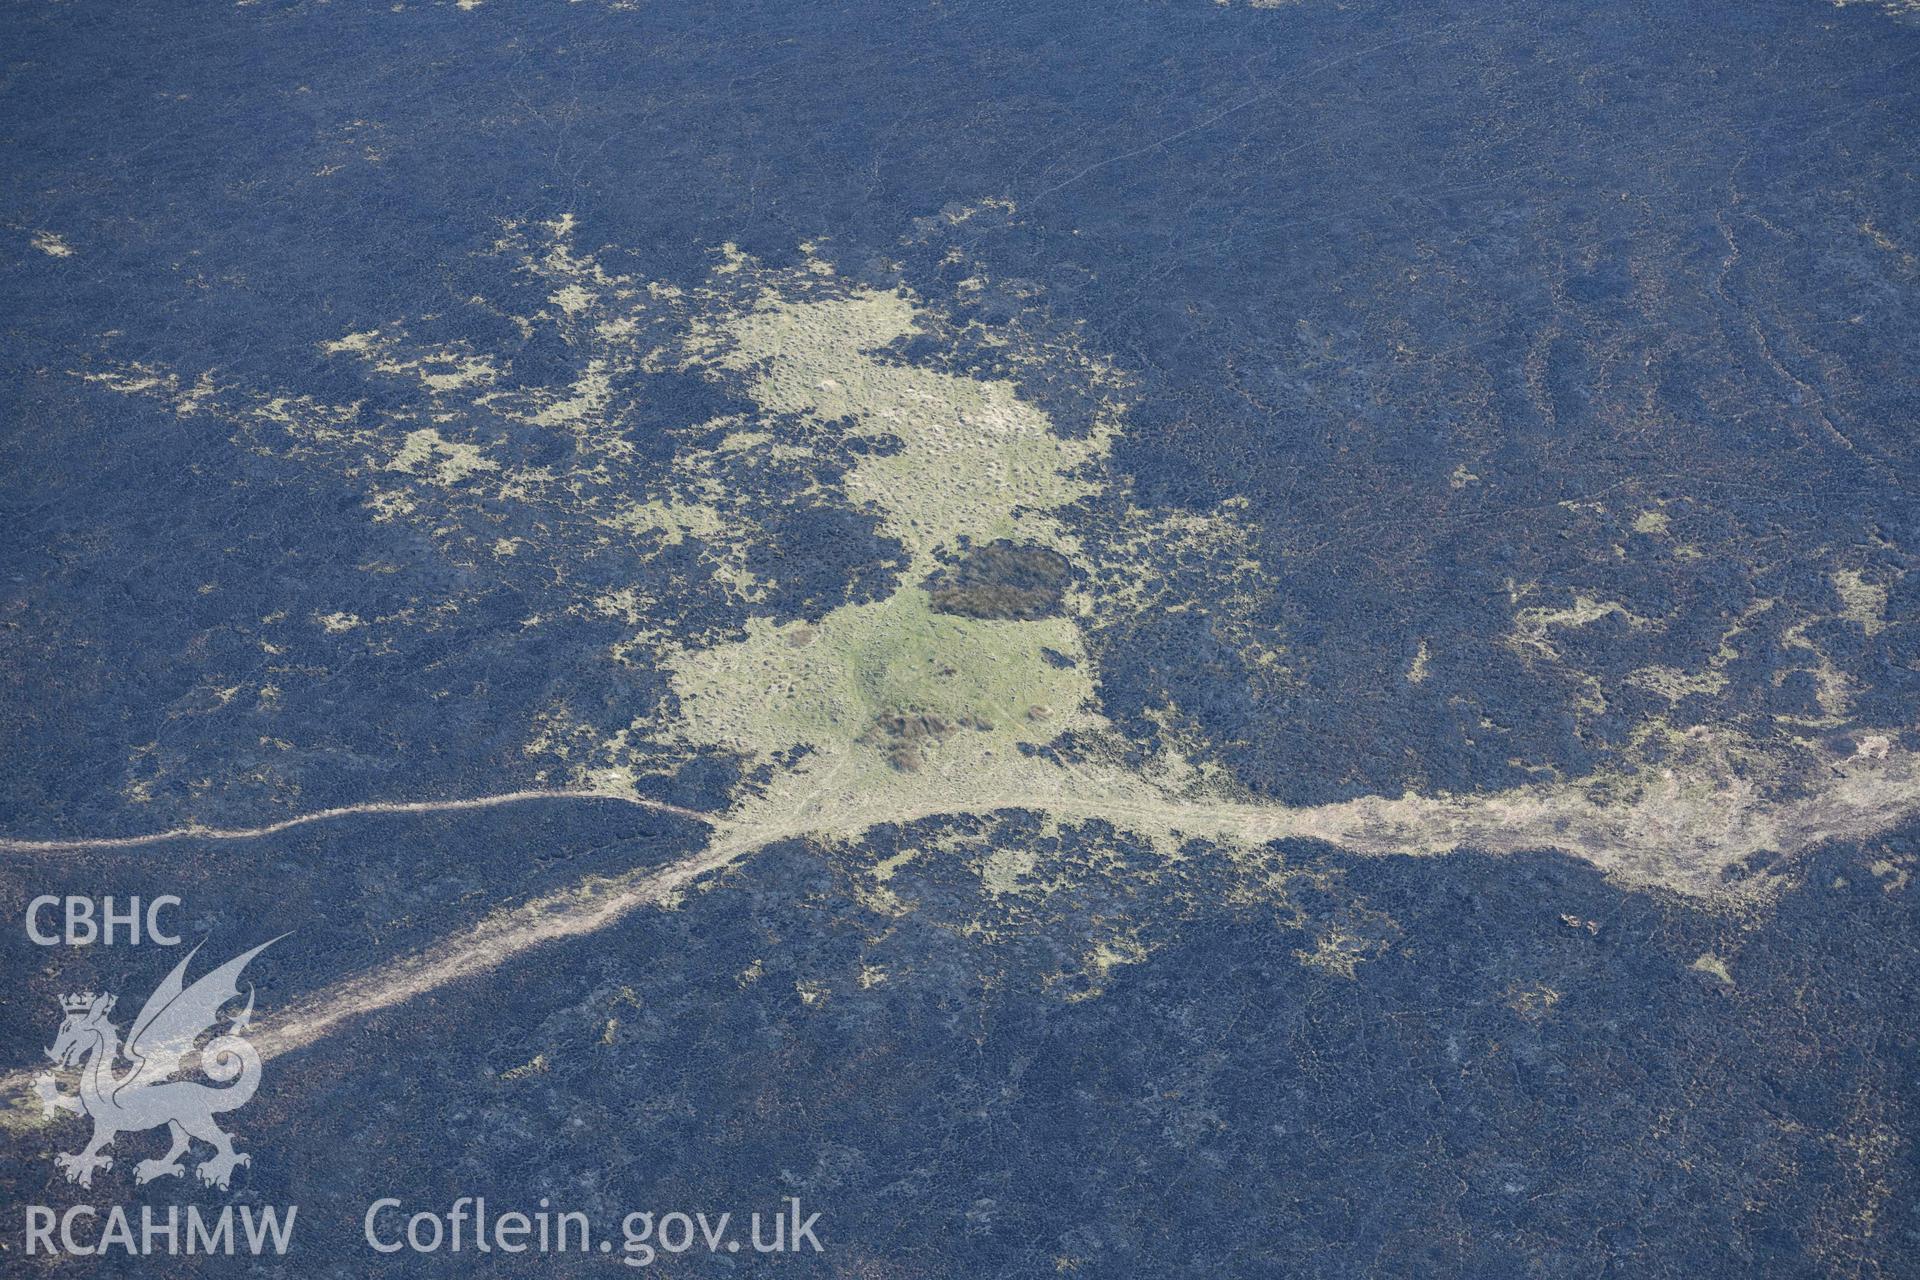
[147, 1095]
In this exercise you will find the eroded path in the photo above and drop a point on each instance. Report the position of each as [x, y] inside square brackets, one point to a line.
[1666, 836]
[198, 832]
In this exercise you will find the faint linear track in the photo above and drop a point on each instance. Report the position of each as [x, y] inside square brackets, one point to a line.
[195, 831]
[1635, 838]
[569, 913]
[1262, 95]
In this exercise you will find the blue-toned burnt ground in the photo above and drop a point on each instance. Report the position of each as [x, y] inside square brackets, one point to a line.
[1654, 258]
[1551, 367]
[340, 902]
[1526, 1080]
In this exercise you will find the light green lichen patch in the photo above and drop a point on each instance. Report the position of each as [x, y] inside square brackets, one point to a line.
[825, 684]
[426, 452]
[1714, 967]
[971, 463]
[1865, 602]
[1533, 627]
[1418, 670]
[975, 461]
[1673, 684]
